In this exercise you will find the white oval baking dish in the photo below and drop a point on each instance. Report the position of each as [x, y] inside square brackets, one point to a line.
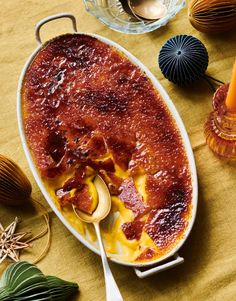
[170, 259]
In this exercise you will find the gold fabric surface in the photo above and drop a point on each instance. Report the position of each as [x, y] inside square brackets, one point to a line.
[209, 270]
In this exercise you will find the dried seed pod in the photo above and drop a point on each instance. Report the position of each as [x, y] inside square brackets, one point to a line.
[213, 16]
[15, 188]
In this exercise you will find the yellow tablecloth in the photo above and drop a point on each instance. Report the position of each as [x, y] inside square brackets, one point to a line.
[209, 271]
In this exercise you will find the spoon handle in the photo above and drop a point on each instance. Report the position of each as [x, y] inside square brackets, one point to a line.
[112, 290]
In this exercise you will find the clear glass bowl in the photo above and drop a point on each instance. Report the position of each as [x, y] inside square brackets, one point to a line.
[111, 13]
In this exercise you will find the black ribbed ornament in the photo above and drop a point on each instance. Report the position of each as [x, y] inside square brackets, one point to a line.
[183, 59]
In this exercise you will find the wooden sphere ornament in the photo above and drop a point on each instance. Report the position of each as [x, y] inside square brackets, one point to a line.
[183, 59]
[15, 188]
[212, 16]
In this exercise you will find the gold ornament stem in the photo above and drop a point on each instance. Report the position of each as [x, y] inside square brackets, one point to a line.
[47, 230]
[48, 243]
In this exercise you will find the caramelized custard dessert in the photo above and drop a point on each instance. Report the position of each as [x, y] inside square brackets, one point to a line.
[87, 109]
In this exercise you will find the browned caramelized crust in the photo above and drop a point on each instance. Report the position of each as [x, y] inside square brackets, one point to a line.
[133, 230]
[85, 104]
[81, 199]
[132, 199]
[146, 254]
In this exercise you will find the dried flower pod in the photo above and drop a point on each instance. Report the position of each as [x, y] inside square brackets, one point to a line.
[15, 188]
[213, 16]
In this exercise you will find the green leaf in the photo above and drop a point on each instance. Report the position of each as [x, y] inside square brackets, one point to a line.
[23, 281]
[60, 289]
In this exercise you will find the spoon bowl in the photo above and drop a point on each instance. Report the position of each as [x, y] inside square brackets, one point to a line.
[148, 9]
[127, 9]
[104, 203]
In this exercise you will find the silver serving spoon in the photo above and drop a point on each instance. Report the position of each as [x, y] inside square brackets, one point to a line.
[148, 9]
[102, 210]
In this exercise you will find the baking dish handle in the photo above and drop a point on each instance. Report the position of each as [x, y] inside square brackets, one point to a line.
[161, 267]
[51, 18]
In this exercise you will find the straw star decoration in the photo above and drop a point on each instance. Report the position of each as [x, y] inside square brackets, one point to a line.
[10, 242]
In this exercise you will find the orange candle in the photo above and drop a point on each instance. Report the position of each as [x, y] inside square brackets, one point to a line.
[231, 96]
